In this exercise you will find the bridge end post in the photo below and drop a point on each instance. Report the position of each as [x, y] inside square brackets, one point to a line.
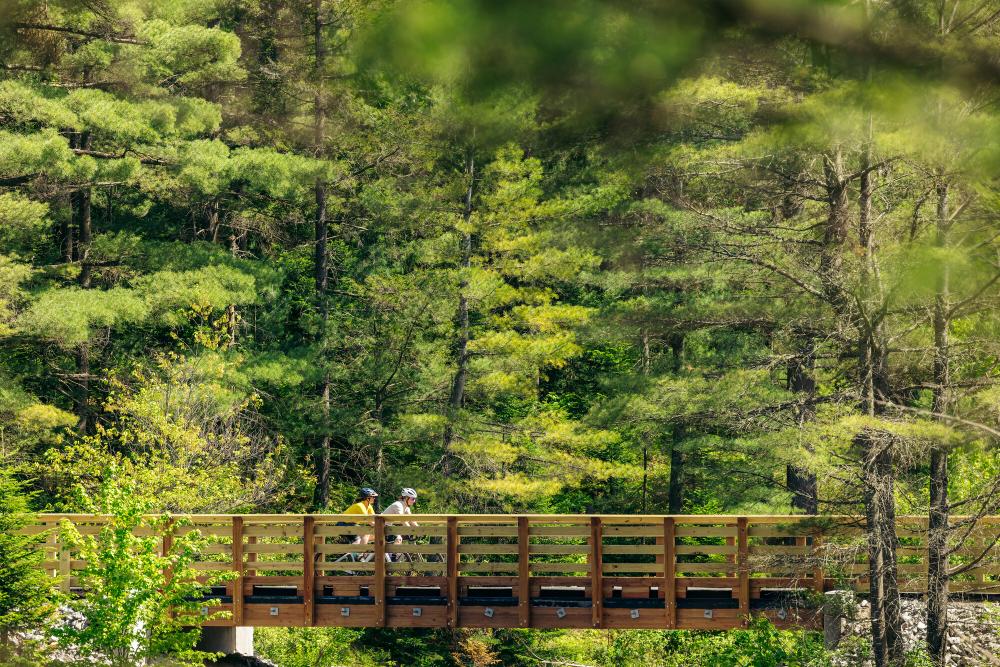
[523, 573]
[743, 567]
[380, 568]
[596, 572]
[670, 571]
[238, 568]
[309, 569]
[452, 571]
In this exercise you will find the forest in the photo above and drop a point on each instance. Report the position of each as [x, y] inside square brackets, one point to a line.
[600, 256]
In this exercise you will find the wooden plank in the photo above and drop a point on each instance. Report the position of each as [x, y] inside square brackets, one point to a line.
[669, 572]
[406, 548]
[452, 561]
[487, 531]
[559, 531]
[523, 573]
[512, 568]
[345, 549]
[426, 531]
[705, 531]
[743, 568]
[284, 548]
[632, 531]
[251, 556]
[596, 559]
[436, 568]
[635, 549]
[379, 571]
[276, 566]
[562, 567]
[651, 568]
[704, 567]
[217, 549]
[488, 549]
[309, 570]
[345, 566]
[779, 550]
[273, 531]
[560, 549]
[338, 531]
[237, 536]
[727, 549]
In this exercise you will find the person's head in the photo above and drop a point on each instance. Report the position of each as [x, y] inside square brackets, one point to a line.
[408, 496]
[367, 495]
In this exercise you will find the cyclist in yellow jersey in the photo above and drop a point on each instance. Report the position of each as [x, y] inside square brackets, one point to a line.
[365, 504]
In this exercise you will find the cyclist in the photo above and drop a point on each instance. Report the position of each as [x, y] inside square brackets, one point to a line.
[407, 499]
[365, 504]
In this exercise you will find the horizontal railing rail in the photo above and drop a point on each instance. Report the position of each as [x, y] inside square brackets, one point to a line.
[538, 570]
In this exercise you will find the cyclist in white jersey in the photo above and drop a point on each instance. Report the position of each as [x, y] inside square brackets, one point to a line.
[407, 498]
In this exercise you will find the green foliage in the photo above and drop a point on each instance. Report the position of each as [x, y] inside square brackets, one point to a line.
[27, 593]
[312, 647]
[635, 204]
[138, 603]
[183, 432]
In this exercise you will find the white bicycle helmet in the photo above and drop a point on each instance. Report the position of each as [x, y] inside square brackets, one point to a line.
[407, 492]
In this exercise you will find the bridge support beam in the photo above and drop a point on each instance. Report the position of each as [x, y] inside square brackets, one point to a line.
[227, 640]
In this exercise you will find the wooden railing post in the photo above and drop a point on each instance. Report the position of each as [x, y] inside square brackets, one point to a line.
[523, 573]
[380, 610]
[309, 568]
[238, 569]
[65, 566]
[251, 557]
[743, 567]
[596, 573]
[819, 583]
[452, 568]
[166, 544]
[670, 571]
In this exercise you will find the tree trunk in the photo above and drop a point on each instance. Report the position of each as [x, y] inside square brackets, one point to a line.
[675, 491]
[85, 231]
[82, 400]
[877, 448]
[212, 221]
[800, 480]
[880, 511]
[646, 363]
[937, 536]
[457, 396]
[321, 263]
[66, 226]
[835, 232]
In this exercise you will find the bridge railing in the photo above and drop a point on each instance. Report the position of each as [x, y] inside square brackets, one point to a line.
[542, 571]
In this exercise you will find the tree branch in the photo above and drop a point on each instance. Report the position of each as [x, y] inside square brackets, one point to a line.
[119, 39]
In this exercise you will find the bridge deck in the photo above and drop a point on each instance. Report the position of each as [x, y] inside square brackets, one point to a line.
[538, 571]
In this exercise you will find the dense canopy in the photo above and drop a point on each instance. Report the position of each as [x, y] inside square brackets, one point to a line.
[628, 257]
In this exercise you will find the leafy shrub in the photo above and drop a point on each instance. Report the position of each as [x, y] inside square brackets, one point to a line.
[138, 603]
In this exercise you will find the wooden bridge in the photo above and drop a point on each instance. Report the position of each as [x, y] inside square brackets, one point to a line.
[539, 571]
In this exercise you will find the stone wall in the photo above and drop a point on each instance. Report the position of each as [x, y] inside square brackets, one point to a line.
[973, 633]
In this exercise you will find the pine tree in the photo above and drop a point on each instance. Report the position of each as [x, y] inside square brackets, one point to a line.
[27, 595]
